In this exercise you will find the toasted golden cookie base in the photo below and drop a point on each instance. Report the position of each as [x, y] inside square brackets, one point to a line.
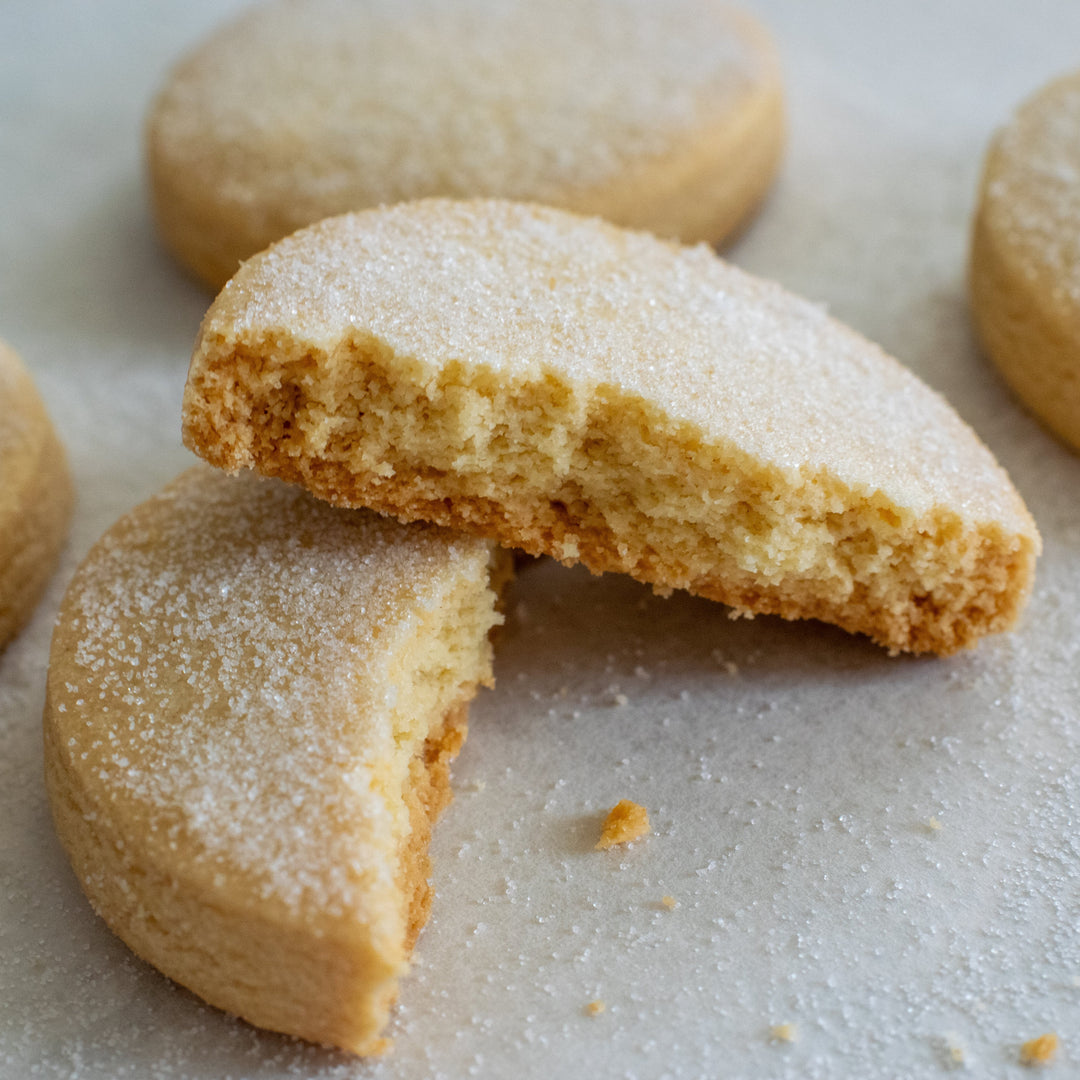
[236, 164]
[35, 496]
[1024, 275]
[597, 395]
[252, 704]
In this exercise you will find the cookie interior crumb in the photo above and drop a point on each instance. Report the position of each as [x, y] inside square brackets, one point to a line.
[252, 704]
[1040, 1050]
[669, 902]
[589, 393]
[786, 1032]
[627, 821]
[595, 1008]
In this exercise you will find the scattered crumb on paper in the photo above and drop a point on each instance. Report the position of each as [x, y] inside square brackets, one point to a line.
[953, 1053]
[1039, 1051]
[625, 822]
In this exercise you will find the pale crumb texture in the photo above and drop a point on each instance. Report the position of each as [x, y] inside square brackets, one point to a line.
[669, 902]
[596, 394]
[626, 822]
[951, 1051]
[1025, 273]
[252, 702]
[661, 116]
[35, 495]
[784, 1033]
[1039, 1051]
[595, 1008]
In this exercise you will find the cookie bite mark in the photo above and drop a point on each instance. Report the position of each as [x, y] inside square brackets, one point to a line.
[252, 703]
[598, 395]
[36, 496]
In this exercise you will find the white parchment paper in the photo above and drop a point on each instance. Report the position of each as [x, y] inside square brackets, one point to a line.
[883, 853]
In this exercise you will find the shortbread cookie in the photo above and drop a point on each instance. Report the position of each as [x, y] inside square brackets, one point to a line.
[665, 116]
[1025, 260]
[35, 495]
[600, 395]
[252, 704]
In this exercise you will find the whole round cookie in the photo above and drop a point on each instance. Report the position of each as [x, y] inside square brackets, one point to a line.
[35, 495]
[1025, 258]
[580, 390]
[664, 116]
[251, 706]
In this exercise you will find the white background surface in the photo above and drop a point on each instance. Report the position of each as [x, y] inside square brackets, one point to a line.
[791, 799]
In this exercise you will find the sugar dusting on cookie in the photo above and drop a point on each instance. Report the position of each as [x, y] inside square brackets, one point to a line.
[596, 306]
[233, 652]
[597, 86]
[1035, 192]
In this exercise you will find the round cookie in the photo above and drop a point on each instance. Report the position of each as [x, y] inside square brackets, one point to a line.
[35, 495]
[1025, 258]
[252, 702]
[663, 116]
[596, 394]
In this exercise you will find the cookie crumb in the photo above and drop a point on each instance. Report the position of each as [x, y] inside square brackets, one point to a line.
[669, 902]
[785, 1033]
[933, 824]
[1039, 1051]
[953, 1054]
[595, 1008]
[626, 822]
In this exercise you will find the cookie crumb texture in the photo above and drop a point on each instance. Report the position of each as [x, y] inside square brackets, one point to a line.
[35, 495]
[1039, 1051]
[1025, 274]
[626, 822]
[574, 389]
[665, 116]
[252, 704]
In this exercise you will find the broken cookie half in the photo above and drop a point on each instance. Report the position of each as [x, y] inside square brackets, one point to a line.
[571, 388]
[252, 704]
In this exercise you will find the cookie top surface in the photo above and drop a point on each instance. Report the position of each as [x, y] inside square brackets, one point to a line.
[35, 495]
[23, 426]
[223, 678]
[307, 108]
[1031, 189]
[525, 290]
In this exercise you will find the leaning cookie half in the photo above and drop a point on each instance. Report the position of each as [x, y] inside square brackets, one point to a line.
[596, 394]
[35, 495]
[252, 704]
